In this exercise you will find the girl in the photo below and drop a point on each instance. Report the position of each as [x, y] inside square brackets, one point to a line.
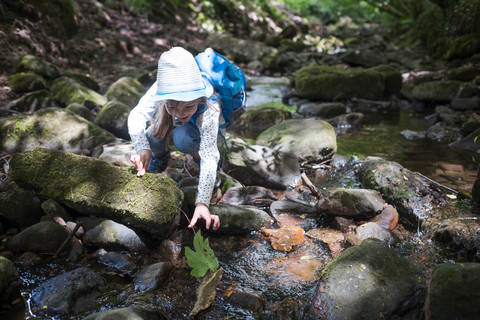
[179, 95]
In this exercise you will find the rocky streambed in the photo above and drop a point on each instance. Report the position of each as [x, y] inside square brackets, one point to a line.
[312, 227]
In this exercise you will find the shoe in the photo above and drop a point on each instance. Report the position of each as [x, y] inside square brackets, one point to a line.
[158, 164]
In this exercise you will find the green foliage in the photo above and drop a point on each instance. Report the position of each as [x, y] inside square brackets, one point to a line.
[202, 259]
[140, 6]
[328, 11]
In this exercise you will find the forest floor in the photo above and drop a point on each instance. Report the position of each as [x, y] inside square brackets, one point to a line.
[104, 39]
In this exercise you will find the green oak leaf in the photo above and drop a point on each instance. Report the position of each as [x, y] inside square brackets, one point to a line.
[202, 259]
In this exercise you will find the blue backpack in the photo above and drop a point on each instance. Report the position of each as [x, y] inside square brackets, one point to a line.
[229, 83]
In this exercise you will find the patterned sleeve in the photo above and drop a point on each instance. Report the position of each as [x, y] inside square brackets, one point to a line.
[209, 154]
[138, 117]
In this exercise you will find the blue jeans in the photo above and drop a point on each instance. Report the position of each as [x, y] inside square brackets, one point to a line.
[186, 139]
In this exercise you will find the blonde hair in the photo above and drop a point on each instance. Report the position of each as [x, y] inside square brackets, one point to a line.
[162, 122]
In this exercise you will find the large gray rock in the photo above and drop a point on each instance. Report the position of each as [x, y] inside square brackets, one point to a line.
[468, 145]
[241, 219]
[66, 294]
[94, 187]
[453, 292]
[367, 282]
[113, 117]
[128, 313]
[408, 192]
[309, 139]
[323, 110]
[43, 237]
[51, 128]
[19, 207]
[261, 166]
[110, 235]
[350, 202]
[152, 276]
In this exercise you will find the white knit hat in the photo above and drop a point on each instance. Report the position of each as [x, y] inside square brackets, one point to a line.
[179, 78]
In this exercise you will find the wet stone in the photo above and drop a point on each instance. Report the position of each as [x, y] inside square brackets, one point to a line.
[152, 277]
[388, 218]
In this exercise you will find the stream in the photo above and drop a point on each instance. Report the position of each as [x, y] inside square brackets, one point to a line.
[381, 135]
[259, 281]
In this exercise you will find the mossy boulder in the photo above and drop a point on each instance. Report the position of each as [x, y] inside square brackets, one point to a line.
[393, 79]
[90, 186]
[436, 91]
[309, 139]
[366, 282]
[30, 63]
[364, 58]
[463, 46]
[51, 128]
[464, 73]
[85, 80]
[126, 90]
[453, 292]
[32, 101]
[456, 230]
[66, 91]
[26, 82]
[412, 196]
[255, 121]
[81, 110]
[10, 283]
[113, 117]
[317, 82]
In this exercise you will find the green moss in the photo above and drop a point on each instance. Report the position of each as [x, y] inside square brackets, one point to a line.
[66, 91]
[330, 83]
[96, 187]
[8, 271]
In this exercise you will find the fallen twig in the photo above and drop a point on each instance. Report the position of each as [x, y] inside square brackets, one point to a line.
[437, 184]
[310, 185]
[305, 203]
[70, 236]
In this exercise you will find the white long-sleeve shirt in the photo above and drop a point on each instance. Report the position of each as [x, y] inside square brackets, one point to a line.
[207, 123]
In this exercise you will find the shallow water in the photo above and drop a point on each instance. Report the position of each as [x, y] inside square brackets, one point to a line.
[381, 135]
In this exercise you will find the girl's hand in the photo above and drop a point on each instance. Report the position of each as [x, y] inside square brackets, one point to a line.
[141, 161]
[202, 212]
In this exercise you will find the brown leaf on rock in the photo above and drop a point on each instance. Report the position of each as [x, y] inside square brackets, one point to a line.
[285, 238]
[206, 292]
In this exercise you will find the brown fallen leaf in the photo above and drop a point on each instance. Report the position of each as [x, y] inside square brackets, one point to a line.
[206, 292]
